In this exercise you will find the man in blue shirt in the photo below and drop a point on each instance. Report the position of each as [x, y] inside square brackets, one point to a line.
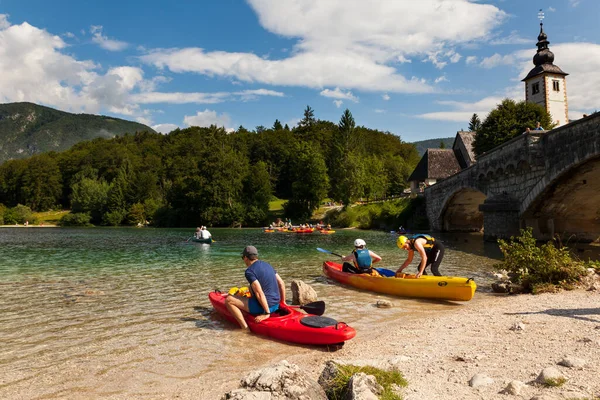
[267, 287]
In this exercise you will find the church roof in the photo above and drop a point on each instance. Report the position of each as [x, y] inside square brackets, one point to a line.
[467, 138]
[435, 164]
[543, 58]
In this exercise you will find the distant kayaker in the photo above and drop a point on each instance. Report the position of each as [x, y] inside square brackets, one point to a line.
[267, 287]
[360, 260]
[431, 251]
[197, 234]
[204, 233]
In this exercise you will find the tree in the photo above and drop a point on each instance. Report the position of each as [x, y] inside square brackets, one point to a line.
[89, 197]
[474, 123]
[508, 120]
[42, 183]
[345, 165]
[277, 125]
[309, 118]
[310, 182]
[286, 127]
[442, 145]
[257, 194]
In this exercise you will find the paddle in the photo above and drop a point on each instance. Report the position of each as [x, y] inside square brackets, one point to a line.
[328, 252]
[316, 307]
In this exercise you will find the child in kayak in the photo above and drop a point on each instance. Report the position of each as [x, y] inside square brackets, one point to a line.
[430, 250]
[361, 260]
[266, 286]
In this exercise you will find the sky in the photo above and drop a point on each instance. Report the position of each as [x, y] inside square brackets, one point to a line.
[418, 69]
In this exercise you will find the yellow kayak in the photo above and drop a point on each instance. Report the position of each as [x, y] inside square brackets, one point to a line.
[427, 286]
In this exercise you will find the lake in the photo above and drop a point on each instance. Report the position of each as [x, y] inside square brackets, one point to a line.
[124, 313]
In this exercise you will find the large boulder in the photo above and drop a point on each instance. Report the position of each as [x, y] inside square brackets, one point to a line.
[363, 387]
[302, 293]
[280, 381]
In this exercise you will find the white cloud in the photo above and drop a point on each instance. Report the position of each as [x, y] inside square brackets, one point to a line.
[471, 60]
[207, 118]
[385, 96]
[339, 94]
[4, 21]
[462, 111]
[201, 98]
[512, 38]
[551, 9]
[497, 60]
[401, 59]
[164, 128]
[441, 79]
[338, 103]
[69, 35]
[332, 50]
[574, 3]
[104, 41]
[379, 111]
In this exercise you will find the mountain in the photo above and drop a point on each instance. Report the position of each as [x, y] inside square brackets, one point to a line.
[423, 145]
[27, 129]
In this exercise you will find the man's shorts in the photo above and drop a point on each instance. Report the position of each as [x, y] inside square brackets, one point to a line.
[256, 309]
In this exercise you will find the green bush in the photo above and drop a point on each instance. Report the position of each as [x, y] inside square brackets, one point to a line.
[387, 379]
[539, 268]
[75, 219]
[18, 215]
[2, 210]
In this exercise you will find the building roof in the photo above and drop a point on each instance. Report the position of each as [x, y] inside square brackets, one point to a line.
[540, 69]
[435, 164]
[467, 138]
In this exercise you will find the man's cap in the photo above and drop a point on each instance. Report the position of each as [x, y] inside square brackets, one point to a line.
[250, 251]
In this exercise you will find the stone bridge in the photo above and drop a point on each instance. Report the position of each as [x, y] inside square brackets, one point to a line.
[549, 181]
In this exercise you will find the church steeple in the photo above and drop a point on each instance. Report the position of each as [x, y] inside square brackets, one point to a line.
[545, 84]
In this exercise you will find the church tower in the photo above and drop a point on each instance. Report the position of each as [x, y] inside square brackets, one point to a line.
[546, 83]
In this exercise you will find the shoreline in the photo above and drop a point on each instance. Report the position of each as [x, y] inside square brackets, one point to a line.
[30, 226]
[438, 352]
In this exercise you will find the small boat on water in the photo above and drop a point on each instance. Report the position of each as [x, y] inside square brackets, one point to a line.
[327, 231]
[427, 286]
[291, 325]
[205, 241]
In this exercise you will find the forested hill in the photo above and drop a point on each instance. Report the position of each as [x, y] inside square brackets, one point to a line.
[27, 129]
[423, 145]
[208, 176]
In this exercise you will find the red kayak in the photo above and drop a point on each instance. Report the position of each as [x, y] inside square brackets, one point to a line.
[290, 325]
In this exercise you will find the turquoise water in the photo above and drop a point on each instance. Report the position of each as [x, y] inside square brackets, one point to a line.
[104, 312]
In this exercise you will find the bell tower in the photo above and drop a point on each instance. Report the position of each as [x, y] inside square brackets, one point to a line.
[546, 83]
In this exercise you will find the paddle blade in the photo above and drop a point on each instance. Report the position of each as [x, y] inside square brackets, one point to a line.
[315, 308]
[323, 250]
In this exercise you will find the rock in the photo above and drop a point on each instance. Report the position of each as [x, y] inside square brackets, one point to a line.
[302, 293]
[549, 373]
[517, 326]
[281, 381]
[501, 287]
[480, 380]
[363, 387]
[572, 362]
[384, 304]
[544, 397]
[514, 388]
[245, 394]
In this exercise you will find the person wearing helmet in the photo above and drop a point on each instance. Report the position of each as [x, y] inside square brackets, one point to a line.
[430, 250]
[360, 260]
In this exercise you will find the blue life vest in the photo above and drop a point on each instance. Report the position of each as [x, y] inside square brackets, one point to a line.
[362, 259]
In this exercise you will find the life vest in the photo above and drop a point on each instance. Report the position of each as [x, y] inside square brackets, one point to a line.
[243, 291]
[427, 246]
[362, 259]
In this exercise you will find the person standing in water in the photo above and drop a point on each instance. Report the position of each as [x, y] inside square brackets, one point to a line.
[430, 250]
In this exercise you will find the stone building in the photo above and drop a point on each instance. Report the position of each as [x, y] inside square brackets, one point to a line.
[546, 83]
[437, 164]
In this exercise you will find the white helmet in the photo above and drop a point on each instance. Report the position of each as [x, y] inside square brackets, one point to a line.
[359, 243]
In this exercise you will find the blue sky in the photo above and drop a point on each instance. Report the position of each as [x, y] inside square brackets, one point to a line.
[418, 69]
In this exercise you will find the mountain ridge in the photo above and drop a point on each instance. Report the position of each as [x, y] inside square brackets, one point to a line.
[27, 129]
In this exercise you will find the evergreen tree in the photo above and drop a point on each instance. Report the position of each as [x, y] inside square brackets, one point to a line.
[309, 118]
[474, 123]
[42, 183]
[442, 145]
[286, 127]
[345, 167]
[277, 125]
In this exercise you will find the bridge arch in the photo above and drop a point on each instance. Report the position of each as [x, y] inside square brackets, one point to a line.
[566, 205]
[461, 212]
